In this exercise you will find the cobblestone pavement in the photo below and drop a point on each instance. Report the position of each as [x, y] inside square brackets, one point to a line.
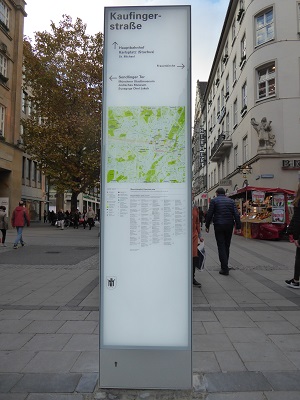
[246, 326]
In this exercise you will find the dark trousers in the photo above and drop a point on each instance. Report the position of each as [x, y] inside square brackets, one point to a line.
[223, 235]
[297, 265]
[3, 235]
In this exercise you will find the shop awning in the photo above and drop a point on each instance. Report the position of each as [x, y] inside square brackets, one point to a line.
[261, 189]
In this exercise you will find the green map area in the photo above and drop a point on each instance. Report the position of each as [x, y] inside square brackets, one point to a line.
[146, 145]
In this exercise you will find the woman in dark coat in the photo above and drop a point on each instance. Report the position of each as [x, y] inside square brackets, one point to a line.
[294, 229]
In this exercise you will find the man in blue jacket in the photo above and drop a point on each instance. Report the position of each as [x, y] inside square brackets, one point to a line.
[224, 214]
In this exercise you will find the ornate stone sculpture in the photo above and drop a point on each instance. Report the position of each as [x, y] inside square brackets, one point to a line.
[266, 138]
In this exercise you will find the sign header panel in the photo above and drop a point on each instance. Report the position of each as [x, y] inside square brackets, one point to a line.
[146, 199]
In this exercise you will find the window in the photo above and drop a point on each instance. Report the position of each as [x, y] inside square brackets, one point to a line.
[243, 51]
[24, 101]
[264, 27]
[2, 120]
[29, 164]
[3, 65]
[227, 86]
[218, 105]
[222, 97]
[225, 56]
[234, 71]
[4, 14]
[233, 31]
[235, 157]
[245, 149]
[244, 99]
[235, 120]
[266, 81]
[34, 175]
[227, 122]
[23, 167]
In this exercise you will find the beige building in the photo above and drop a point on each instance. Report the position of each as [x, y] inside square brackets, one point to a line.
[12, 15]
[251, 111]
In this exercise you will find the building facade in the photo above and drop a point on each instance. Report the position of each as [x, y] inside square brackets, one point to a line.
[199, 149]
[12, 15]
[252, 99]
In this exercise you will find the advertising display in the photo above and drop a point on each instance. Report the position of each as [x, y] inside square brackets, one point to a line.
[145, 285]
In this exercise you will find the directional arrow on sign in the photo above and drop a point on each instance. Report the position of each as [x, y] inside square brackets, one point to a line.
[112, 77]
[115, 44]
[181, 66]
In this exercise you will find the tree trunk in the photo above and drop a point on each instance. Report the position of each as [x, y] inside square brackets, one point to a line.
[74, 201]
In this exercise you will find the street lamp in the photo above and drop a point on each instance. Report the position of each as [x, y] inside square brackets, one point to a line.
[245, 170]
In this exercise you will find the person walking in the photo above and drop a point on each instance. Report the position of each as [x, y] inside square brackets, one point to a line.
[294, 229]
[3, 224]
[196, 231]
[224, 214]
[90, 217]
[61, 219]
[19, 219]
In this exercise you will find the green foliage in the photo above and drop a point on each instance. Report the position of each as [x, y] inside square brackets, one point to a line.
[63, 77]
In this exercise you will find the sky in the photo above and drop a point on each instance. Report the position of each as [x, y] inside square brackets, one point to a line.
[207, 22]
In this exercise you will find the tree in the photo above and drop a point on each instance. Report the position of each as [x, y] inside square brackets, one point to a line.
[63, 76]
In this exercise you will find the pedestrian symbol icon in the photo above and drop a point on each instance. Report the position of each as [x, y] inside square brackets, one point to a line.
[111, 282]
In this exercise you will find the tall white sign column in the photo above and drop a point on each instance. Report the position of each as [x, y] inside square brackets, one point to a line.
[146, 272]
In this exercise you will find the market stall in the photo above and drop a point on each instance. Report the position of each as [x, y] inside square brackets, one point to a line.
[264, 211]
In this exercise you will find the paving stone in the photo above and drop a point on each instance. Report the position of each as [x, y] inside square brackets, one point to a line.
[43, 327]
[283, 380]
[57, 396]
[47, 383]
[237, 396]
[265, 316]
[234, 319]
[246, 335]
[14, 361]
[82, 343]
[40, 315]
[87, 383]
[78, 327]
[88, 361]
[229, 361]
[14, 341]
[51, 362]
[42, 342]
[72, 315]
[13, 314]
[237, 382]
[277, 327]
[262, 357]
[211, 342]
[213, 327]
[287, 342]
[204, 316]
[13, 396]
[7, 381]
[205, 361]
[282, 395]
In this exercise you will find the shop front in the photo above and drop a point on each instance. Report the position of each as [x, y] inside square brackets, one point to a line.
[265, 212]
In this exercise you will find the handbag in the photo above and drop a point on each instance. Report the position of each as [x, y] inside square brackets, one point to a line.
[201, 256]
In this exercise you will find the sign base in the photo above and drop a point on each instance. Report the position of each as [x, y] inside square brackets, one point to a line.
[145, 369]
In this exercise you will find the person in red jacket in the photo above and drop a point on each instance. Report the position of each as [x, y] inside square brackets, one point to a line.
[19, 219]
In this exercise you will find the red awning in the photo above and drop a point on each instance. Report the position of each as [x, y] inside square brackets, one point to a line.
[262, 189]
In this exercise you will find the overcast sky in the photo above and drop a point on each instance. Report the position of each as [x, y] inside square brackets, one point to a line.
[207, 21]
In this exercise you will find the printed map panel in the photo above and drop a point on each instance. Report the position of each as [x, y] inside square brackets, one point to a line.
[146, 145]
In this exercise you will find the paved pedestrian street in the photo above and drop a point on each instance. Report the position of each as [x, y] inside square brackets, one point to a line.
[246, 326]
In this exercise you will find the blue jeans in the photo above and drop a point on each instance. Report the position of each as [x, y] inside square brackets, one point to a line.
[19, 237]
[223, 234]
